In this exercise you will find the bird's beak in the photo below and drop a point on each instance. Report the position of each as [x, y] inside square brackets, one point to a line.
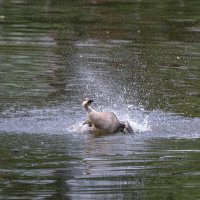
[90, 101]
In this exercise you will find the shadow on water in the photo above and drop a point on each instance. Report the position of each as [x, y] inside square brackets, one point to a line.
[142, 67]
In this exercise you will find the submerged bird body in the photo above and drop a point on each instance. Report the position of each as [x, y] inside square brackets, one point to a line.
[104, 122]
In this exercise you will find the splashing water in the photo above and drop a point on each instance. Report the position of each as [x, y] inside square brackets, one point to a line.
[145, 124]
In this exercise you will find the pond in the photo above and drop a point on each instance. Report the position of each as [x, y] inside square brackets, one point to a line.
[139, 59]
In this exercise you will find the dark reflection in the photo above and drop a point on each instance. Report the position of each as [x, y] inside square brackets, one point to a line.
[62, 190]
[40, 57]
[33, 165]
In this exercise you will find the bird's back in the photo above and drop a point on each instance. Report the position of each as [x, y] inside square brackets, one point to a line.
[106, 121]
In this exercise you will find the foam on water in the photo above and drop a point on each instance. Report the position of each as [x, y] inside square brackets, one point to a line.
[144, 123]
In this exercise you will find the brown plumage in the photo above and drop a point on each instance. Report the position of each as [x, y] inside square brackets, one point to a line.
[104, 122]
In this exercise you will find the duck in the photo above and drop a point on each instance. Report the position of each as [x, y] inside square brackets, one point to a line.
[104, 122]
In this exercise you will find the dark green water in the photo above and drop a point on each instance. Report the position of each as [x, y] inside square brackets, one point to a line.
[139, 59]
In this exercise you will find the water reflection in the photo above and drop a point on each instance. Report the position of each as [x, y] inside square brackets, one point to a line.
[53, 167]
[139, 59]
[42, 59]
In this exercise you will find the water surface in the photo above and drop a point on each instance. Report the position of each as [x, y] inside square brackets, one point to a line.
[138, 59]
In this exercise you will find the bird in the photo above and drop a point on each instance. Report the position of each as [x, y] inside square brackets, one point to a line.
[101, 123]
